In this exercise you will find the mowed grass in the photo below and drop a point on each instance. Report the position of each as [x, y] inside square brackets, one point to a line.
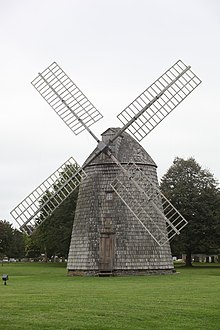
[41, 296]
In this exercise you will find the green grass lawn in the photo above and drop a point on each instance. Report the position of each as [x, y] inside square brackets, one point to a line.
[41, 296]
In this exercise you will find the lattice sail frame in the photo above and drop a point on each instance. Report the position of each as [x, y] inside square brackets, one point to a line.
[66, 99]
[158, 100]
[47, 197]
[140, 195]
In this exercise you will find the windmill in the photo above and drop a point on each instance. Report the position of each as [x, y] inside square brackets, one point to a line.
[123, 223]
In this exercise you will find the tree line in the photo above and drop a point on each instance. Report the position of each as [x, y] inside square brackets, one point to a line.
[191, 189]
[50, 239]
[12, 242]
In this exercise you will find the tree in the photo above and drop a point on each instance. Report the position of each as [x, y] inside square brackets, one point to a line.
[11, 241]
[195, 193]
[32, 247]
[18, 245]
[6, 234]
[52, 237]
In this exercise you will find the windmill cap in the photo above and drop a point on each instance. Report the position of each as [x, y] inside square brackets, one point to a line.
[125, 148]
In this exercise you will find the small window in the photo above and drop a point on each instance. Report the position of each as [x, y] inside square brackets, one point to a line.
[109, 196]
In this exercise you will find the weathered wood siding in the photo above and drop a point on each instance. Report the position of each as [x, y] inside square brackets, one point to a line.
[98, 208]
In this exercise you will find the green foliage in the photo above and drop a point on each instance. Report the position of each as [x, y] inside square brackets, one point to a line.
[66, 183]
[195, 193]
[6, 233]
[40, 296]
[32, 247]
[11, 241]
[52, 237]
[18, 245]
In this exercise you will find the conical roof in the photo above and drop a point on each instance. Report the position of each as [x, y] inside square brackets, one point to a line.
[125, 148]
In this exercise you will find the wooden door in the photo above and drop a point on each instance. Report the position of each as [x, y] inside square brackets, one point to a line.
[106, 251]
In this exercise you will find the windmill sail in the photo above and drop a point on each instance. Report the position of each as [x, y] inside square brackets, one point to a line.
[66, 99]
[157, 101]
[47, 197]
[141, 195]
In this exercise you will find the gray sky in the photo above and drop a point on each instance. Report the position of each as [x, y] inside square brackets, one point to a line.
[113, 50]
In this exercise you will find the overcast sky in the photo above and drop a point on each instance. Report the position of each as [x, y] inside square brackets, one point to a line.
[113, 50]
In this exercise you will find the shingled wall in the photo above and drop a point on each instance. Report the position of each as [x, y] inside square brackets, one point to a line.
[100, 210]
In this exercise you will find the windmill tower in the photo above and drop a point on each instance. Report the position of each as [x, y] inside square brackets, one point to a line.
[106, 235]
[123, 223]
